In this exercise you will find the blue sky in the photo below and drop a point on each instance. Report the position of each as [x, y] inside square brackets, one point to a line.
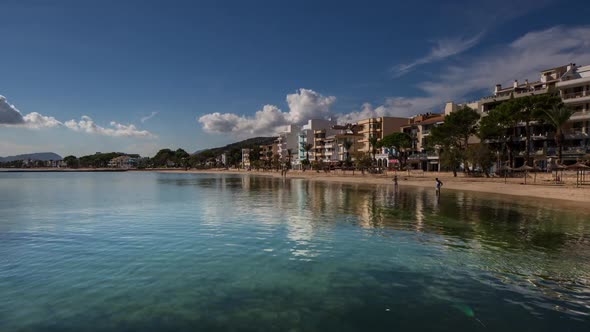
[135, 76]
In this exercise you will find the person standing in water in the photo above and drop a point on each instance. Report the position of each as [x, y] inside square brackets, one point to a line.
[438, 185]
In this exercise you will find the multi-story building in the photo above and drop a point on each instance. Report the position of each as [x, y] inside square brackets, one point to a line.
[306, 136]
[546, 84]
[324, 145]
[572, 84]
[288, 141]
[379, 128]
[574, 89]
[340, 142]
[246, 158]
[268, 151]
[418, 129]
[123, 162]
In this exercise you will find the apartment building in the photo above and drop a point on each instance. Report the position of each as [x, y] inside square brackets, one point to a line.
[332, 148]
[418, 128]
[574, 89]
[547, 83]
[379, 128]
[306, 136]
[268, 151]
[246, 158]
[572, 84]
[287, 141]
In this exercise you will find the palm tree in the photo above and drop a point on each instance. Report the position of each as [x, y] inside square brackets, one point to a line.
[289, 154]
[347, 145]
[269, 159]
[373, 143]
[531, 109]
[557, 117]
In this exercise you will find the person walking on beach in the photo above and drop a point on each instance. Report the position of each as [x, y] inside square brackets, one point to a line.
[395, 181]
[438, 185]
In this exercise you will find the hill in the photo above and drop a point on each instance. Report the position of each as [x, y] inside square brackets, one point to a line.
[32, 156]
[245, 144]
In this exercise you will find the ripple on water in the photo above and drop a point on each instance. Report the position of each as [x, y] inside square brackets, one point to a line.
[150, 252]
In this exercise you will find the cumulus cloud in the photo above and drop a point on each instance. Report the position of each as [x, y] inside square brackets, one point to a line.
[394, 106]
[11, 116]
[442, 49]
[308, 104]
[146, 118]
[87, 125]
[303, 105]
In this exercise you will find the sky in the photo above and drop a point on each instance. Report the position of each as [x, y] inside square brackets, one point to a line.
[79, 77]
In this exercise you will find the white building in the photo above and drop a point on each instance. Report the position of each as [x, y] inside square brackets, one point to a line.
[574, 89]
[246, 158]
[288, 140]
[306, 136]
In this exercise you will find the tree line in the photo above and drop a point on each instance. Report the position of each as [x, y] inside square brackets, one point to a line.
[497, 132]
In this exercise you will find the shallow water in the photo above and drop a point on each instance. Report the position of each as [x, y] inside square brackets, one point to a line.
[187, 252]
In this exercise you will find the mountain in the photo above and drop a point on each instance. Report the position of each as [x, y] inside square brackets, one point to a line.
[32, 156]
[245, 144]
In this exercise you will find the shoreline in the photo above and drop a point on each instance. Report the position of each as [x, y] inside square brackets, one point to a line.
[542, 188]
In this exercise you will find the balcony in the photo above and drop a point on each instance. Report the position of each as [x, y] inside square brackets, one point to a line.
[581, 115]
[576, 134]
[573, 83]
[508, 95]
[576, 97]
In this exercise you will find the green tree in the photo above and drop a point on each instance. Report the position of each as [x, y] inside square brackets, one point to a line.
[497, 130]
[362, 161]
[529, 109]
[347, 144]
[480, 155]
[373, 142]
[557, 117]
[289, 158]
[453, 135]
[451, 158]
[276, 161]
[71, 161]
[162, 157]
[399, 142]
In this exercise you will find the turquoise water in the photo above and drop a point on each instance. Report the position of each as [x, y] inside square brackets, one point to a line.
[195, 252]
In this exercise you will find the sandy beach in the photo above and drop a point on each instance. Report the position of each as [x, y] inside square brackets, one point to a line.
[541, 187]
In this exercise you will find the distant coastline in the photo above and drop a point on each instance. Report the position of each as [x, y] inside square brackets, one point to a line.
[59, 170]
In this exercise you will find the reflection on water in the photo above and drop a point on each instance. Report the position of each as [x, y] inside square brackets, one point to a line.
[153, 252]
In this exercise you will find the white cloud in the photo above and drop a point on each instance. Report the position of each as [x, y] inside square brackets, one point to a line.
[308, 104]
[444, 48]
[11, 116]
[521, 59]
[146, 118]
[36, 120]
[394, 106]
[87, 125]
[303, 105]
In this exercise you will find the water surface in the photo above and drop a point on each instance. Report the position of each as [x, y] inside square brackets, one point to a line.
[196, 252]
